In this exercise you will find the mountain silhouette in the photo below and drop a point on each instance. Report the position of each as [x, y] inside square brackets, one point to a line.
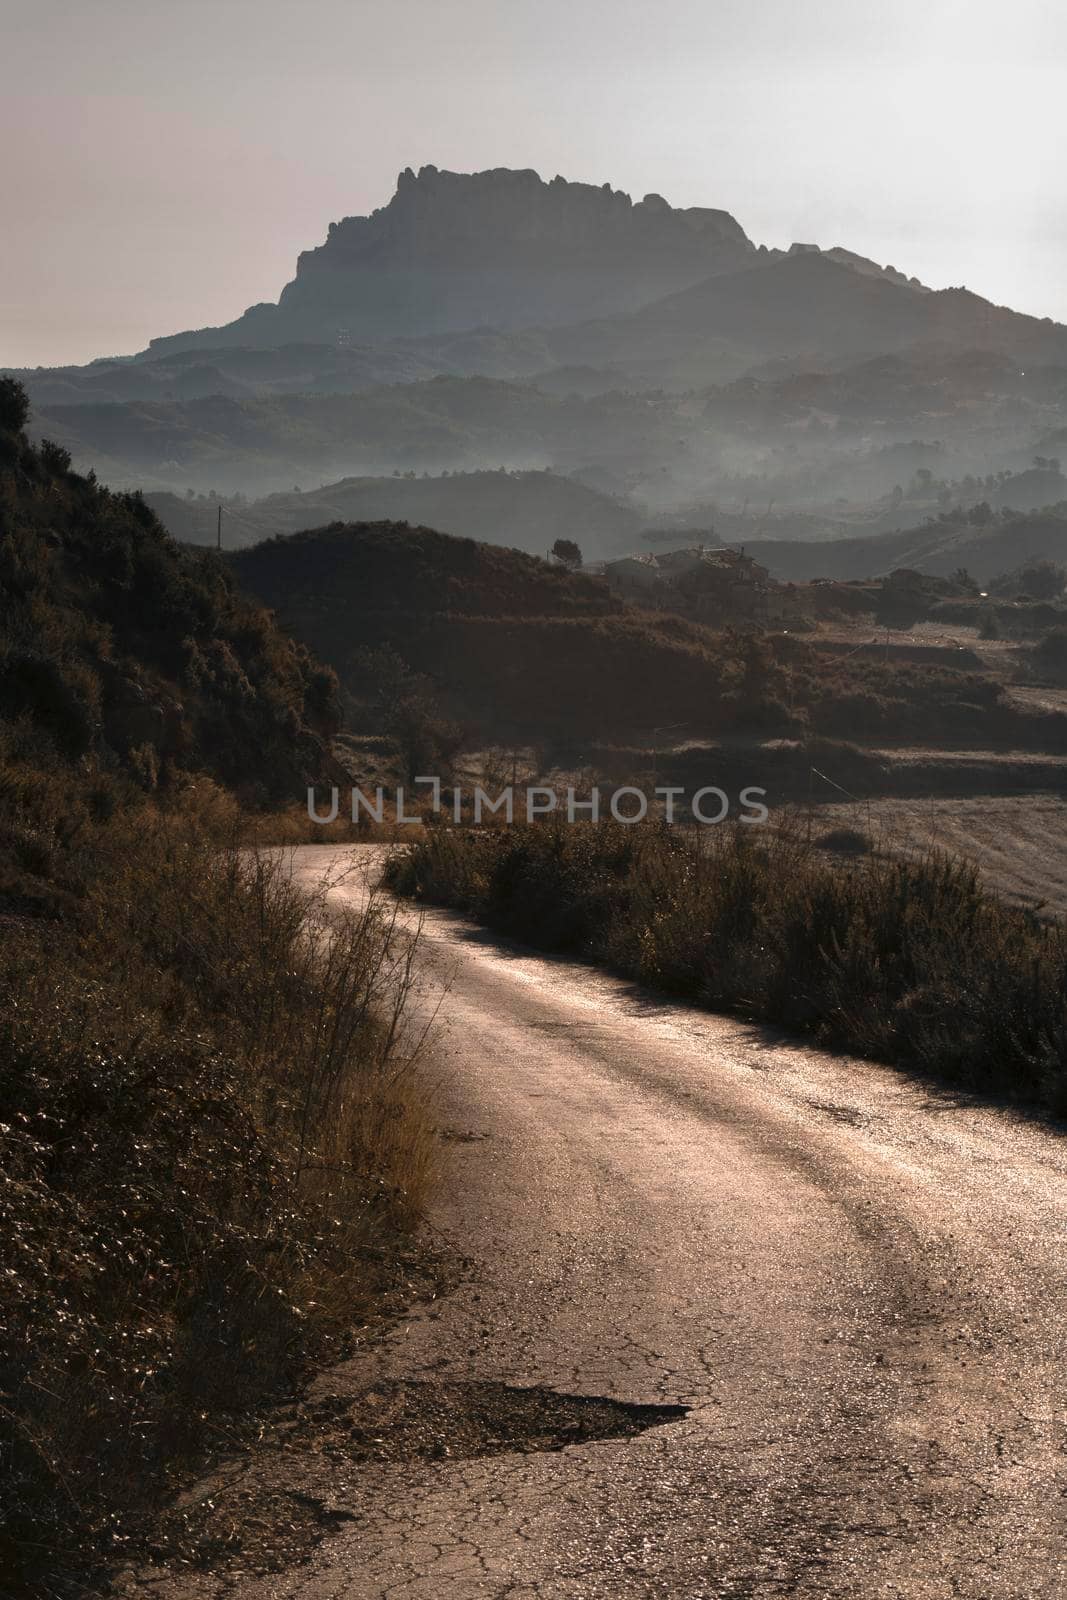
[499, 248]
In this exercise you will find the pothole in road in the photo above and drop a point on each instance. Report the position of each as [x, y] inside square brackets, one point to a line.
[848, 1114]
[439, 1421]
[271, 1516]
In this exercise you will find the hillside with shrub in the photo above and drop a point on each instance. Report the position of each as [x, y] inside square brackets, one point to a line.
[509, 646]
[134, 657]
[212, 1155]
[509, 642]
[382, 567]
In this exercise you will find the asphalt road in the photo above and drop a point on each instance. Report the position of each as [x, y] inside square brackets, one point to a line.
[854, 1282]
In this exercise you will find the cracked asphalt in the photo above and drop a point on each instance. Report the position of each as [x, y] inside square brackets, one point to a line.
[855, 1282]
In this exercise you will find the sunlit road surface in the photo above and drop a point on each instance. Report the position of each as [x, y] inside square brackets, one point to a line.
[855, 1282]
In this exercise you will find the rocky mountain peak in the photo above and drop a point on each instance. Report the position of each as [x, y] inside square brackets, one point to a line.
[501, 249]
[514, 217]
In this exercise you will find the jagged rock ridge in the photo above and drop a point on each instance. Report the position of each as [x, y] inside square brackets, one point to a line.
[497, 248]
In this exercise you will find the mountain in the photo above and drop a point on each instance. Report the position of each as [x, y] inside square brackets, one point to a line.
[679, 295]
[521, 510]
[500, 248]
[807, 306]
[492, 319]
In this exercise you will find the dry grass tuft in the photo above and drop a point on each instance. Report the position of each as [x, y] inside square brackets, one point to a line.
[214, 1143]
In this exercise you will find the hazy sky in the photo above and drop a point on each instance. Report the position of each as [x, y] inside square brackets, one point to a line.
[164, 163]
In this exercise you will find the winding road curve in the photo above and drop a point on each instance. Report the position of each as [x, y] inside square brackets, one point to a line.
[855, 1283]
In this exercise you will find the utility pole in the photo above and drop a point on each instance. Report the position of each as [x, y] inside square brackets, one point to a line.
[218, 530]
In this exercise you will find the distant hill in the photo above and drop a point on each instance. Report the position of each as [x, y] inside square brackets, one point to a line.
[524, 510]
[270, 444]
[806, 438]
[928, 383]
[806, 305]
[373, 569]
[242, 372]
[938, 548]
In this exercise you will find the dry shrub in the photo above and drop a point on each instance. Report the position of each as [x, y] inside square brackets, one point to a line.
[908, 962]
[214, 1144]
[845, 841]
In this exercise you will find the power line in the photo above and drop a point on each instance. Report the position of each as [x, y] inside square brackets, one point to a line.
[264, 532]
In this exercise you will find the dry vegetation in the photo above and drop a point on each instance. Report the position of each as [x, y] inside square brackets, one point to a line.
[213, 1155]
[506, 647]
[212, 1152]
[909, 962]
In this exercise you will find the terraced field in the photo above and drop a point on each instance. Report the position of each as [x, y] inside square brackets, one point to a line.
[1019, 843]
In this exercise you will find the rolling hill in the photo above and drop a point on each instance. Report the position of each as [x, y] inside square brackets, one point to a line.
[497, 647]
[512, 646]
[523, 510]
[939, 547]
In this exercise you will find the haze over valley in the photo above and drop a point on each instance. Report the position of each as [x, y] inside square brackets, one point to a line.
[657, 356]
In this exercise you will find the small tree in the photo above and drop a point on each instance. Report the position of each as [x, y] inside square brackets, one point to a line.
[14, 405]
[567, 553]
[55, 458]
